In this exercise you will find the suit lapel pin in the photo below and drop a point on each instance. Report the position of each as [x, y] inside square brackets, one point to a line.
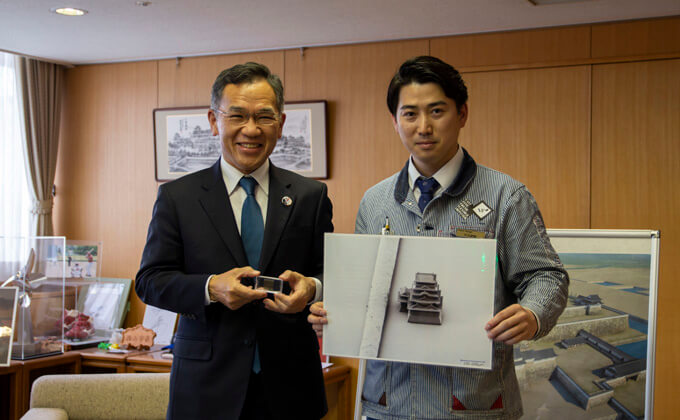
[286, 201]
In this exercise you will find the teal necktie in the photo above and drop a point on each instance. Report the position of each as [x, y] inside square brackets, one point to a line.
[252, 231]
[252, 226]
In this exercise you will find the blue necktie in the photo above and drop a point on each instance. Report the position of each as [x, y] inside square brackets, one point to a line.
[252, 231]
[427, 187]
[252, 226]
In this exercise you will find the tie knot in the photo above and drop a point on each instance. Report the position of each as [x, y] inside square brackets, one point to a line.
[248, 184]
[427, 185]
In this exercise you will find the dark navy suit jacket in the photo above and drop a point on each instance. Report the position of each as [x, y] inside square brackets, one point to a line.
[192, 235]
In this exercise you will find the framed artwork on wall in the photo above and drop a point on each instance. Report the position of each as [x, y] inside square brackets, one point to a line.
[302, 147]
[184, 143]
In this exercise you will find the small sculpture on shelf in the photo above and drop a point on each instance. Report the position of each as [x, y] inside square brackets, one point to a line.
[138, 337]
[23, 333]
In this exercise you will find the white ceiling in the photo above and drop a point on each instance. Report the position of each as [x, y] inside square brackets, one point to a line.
[119, 30]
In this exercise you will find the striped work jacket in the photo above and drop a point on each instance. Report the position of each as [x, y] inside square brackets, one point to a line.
[485, 203]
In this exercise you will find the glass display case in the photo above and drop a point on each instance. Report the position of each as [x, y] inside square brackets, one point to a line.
[35, 266]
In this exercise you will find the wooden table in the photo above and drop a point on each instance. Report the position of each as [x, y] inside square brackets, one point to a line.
[95, 360]
[149, 362]
[342, 376]
[11, 391]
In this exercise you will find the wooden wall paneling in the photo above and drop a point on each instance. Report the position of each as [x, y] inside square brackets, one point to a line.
[636, 127]
[535, 126]
[363, 147]
[516, 47]
[636, 38]
[187, 82]
[105, 172]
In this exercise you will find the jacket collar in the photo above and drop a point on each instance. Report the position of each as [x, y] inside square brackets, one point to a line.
[282, 200]
[218, 207]
[468, 170]
[215, 202]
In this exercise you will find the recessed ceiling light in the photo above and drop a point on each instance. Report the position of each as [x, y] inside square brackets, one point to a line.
[68, 11]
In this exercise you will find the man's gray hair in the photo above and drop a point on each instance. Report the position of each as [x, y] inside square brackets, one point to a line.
[246, 73]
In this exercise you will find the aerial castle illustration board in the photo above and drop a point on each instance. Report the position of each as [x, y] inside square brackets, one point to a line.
[598, 361]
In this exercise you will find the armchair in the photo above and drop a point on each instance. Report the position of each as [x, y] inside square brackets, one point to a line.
[100, 396]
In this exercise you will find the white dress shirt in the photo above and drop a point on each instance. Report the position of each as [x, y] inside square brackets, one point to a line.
[237, 196]
[445, 175]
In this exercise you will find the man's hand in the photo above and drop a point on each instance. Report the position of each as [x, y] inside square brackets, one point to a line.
[317, 317]
[302, 291]
[512, 325]
[227, 289]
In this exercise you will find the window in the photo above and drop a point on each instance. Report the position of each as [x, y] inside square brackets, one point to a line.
[15, 198]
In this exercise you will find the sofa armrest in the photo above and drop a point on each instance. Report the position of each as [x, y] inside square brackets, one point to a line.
[45, 414]
[104, 396]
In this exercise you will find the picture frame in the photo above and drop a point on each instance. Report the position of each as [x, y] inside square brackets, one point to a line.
[302, 147]
[80, 259]
[183, 141]
[106, 300]
[8, 310]
[162, 322]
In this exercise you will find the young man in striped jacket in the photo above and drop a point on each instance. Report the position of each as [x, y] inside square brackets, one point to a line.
[442, 189]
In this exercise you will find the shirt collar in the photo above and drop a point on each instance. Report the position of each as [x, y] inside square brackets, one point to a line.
[232, 176]
[444, 176]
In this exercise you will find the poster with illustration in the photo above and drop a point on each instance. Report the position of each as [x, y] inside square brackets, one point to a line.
[598, 361]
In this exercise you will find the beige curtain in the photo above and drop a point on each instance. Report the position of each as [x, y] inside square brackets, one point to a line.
[40, 87]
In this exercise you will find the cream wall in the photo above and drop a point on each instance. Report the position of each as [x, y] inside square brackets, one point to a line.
[587, 116]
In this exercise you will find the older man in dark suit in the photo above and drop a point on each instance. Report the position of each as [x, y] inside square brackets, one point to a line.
[238, 353]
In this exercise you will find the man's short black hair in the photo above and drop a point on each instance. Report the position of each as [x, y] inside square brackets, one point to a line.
[246, 73]
[427, 69]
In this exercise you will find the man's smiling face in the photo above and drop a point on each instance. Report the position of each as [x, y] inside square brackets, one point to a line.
[428, 123]
[248, 124]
